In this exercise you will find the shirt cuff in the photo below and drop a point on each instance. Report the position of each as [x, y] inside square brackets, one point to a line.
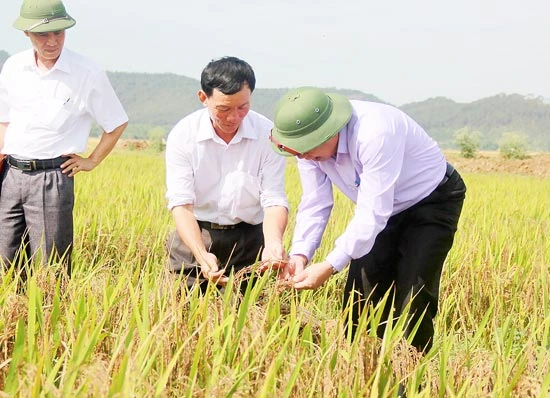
[302, 250]
[338, 259]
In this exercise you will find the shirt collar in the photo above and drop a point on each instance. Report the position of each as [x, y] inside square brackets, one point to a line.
[206, 131]
[62, 63]
[343, 141]
[30, 62]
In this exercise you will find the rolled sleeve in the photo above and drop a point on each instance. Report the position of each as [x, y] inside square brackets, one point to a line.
[179, 172]
[273, 181]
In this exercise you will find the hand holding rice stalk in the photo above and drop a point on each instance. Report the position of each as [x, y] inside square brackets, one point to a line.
[261, 267]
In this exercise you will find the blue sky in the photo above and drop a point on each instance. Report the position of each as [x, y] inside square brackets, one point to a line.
[401, 51]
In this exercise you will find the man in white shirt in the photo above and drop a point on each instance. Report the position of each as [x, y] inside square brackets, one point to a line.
[408, 202]
[225, 186]
[49, 97]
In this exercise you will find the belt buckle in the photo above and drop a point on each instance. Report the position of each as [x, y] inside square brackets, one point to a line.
[213, 225]
[26, 165]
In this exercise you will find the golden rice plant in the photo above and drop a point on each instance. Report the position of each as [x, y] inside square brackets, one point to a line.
[124, 327]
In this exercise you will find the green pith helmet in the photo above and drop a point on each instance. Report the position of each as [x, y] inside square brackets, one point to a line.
[306, 117]
[40, 16]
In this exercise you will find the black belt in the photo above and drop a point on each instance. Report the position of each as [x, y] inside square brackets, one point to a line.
[213, 225]
[35, 164]
[448, 173]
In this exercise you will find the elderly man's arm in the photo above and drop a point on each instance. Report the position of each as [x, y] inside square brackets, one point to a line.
[77, 163]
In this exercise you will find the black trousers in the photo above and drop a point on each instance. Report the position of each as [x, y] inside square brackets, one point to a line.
[407, 259]
[235, 249]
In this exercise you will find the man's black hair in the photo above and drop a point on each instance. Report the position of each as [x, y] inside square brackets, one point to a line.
[227, 74]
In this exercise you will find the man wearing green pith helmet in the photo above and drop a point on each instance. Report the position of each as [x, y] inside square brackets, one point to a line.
[49, 98]
[408, 202]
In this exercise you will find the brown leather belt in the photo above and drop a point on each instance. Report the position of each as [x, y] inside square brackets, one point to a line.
[35, 164]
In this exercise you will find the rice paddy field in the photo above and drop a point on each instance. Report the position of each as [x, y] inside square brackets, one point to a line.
[123, 327]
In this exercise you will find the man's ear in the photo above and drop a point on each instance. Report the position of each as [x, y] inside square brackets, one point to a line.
[202, 97]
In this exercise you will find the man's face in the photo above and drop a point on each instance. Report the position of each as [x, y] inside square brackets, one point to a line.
[227, 111]
[47, 45]
[323, 152]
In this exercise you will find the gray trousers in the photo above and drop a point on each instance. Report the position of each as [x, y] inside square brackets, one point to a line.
[36, 215]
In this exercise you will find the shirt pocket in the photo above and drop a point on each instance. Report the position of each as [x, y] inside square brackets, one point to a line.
[246, 189]
[53, 114]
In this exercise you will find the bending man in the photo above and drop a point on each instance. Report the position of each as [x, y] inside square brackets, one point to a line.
[408, 202]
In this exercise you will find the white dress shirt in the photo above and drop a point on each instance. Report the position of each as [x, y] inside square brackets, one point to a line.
[385, 163]
[226, 183]
[50, 113]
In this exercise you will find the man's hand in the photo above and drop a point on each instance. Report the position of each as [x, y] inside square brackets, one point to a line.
[294, 266]
[273, 257]
[210, 270]
[313, 276]
[76, 164]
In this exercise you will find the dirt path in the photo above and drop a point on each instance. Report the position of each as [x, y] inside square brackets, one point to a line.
[538, 164]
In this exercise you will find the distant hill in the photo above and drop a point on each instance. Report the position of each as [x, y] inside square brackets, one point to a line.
[154, 99]
[492, 116]
[161, 99]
